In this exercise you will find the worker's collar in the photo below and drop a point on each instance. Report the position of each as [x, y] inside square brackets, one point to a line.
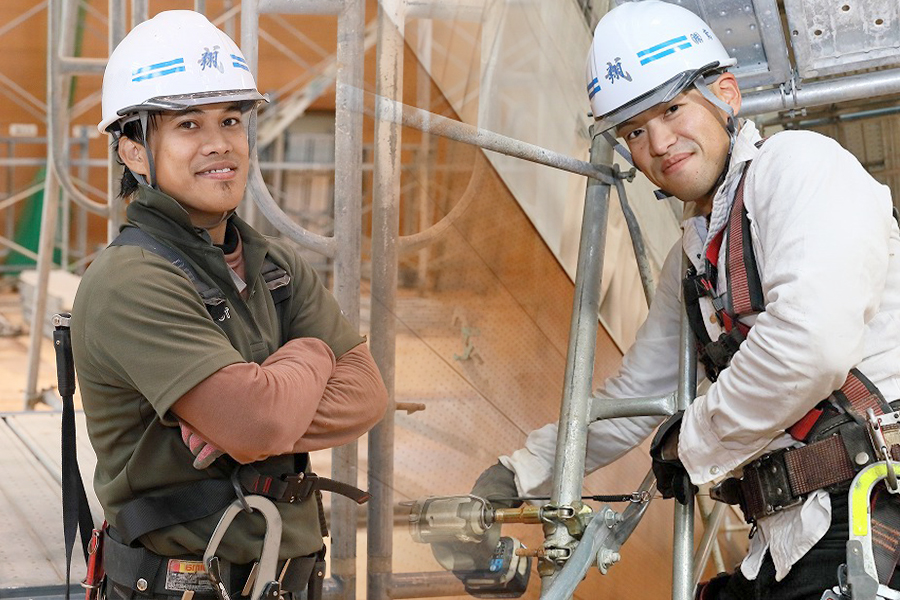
[162, 216]
[160, 202]
[745, 148]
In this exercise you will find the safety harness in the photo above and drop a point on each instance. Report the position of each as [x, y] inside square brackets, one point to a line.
[277, 279]
[127, 562]
[838, 432]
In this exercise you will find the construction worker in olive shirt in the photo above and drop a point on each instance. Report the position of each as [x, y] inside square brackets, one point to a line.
[183, 390]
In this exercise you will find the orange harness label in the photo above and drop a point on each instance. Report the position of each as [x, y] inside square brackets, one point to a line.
[183, 575]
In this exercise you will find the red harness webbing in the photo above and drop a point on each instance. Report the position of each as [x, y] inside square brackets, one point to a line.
[736, 264]
[856, 395]
[738, 281]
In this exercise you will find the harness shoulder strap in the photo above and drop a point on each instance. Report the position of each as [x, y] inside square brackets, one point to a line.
[278, 282]
[212, 296]
[745, 294]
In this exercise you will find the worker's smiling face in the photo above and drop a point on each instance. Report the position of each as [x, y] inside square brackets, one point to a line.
[682, 145]
[201, 159]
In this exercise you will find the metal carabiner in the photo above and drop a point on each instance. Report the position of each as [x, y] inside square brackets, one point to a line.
[882, 451]
[266, 585]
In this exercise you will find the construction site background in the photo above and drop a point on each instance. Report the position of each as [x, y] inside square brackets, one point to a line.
[482, 314]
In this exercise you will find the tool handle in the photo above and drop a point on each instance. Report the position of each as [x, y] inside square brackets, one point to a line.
[65, 363]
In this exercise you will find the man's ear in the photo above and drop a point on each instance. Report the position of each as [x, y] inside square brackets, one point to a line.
[726, 88]
[134, 156]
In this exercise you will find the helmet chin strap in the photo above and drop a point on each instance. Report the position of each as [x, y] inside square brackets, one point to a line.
[730, 126]
[225, 216]
[151, 167]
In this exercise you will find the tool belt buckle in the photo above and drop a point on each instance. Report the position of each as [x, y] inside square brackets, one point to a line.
[764, 489]
[299, 486]
[884, 433]
[767, 487]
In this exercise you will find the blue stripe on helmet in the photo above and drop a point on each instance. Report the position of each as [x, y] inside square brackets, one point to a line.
[238, 58]
[592, 84]
[240, 66]
[657, 56]
[154, 74]
[682, 38]
[593, 92]
[162, 65]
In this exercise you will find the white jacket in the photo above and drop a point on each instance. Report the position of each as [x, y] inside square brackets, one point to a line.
[828, 252]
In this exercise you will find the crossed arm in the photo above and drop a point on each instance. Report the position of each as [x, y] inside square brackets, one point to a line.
[300, 399]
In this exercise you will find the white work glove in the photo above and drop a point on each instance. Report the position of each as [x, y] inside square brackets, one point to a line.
[204, 452]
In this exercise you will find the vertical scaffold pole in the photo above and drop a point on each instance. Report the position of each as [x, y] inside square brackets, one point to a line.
[574, 413]
[385, 234]
[348, 132]
[683, 537]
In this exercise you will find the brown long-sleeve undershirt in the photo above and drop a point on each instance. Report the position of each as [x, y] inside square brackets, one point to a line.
[300, 399]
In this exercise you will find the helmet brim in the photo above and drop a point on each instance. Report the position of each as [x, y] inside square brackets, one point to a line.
[186, 102]
[659, 95]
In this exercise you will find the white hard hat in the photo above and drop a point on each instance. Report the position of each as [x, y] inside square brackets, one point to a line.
[173, 61]
[645, 53]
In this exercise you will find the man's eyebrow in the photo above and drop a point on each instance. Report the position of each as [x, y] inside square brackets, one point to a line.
[186, 111]
[624, 124]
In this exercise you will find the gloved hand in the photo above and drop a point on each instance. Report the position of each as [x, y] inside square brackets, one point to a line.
[671, 477]
[204, 452]
[497, 485]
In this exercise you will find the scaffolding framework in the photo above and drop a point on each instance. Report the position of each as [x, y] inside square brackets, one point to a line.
[344, 249]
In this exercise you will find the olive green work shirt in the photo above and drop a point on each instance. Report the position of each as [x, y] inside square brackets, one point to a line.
[142, 338]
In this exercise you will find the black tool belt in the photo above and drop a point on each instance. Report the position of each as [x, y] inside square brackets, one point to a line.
[839, 447]
[133, 572]
[206, 497]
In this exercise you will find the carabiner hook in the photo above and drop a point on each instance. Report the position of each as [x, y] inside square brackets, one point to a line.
[882, 451]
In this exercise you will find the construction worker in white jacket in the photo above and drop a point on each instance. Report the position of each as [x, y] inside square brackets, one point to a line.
[827, 252]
